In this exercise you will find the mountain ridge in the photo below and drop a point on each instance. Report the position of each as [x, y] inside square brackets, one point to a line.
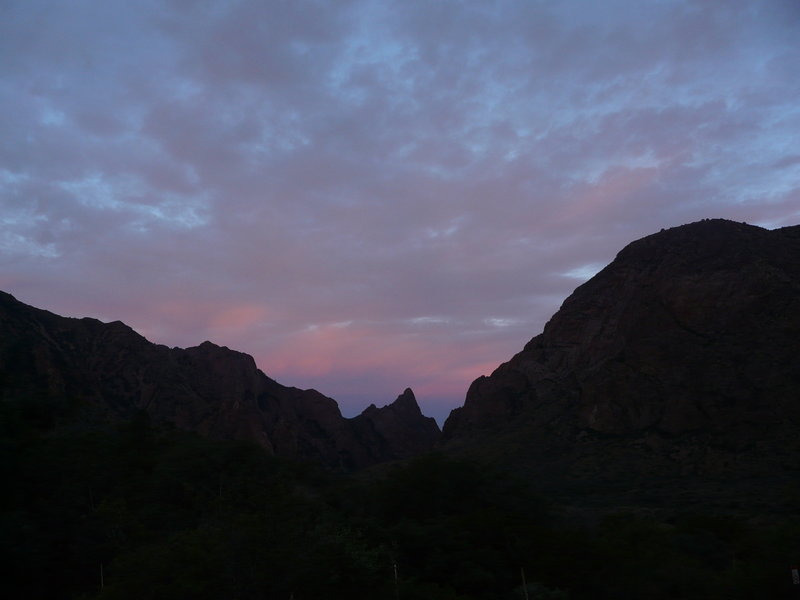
[211, 389]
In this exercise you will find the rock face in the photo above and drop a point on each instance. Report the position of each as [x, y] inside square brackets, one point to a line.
[680, 359]
[110, 371]
[398, 430]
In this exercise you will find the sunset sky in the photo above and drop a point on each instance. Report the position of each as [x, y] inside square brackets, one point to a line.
[373, 195]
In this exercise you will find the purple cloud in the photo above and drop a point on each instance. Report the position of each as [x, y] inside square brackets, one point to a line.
[369, 195]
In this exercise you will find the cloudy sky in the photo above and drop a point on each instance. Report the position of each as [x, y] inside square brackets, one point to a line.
[368, 195]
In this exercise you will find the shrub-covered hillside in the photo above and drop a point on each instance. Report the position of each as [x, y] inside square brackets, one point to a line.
[137, 512]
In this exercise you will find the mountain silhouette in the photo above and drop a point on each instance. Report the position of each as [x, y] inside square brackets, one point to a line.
[103, 371]
[672, 376]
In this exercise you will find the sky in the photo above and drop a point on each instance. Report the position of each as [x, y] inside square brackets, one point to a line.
[369, 195]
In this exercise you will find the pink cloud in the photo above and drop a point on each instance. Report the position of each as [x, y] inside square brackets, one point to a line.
[597, 201]
[239, 317]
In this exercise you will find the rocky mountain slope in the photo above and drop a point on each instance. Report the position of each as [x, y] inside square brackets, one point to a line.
[672, 375]
[108, 371]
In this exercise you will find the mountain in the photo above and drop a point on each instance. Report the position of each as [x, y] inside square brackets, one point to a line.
[398, 430]
[650, 431]
[107, 371]
[671, 377]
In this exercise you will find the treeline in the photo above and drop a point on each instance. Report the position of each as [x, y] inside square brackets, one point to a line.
[133, 511]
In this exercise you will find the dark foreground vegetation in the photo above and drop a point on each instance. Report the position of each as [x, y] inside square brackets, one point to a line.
[136, 512]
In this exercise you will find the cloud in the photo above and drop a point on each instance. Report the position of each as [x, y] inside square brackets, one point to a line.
[368, 195]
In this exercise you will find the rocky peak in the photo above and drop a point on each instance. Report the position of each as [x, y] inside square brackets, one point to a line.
[399, 429]
[405, 404]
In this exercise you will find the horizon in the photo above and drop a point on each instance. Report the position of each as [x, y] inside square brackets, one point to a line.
[368, 197]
